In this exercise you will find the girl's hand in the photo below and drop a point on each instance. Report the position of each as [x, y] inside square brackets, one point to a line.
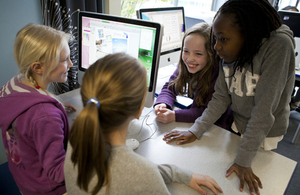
[197, 180]
[158, 107]
[183, 137]
[246, 174]
[165, 115]
[69, 107]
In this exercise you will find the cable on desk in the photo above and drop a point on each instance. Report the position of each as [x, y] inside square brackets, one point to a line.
[146, 118]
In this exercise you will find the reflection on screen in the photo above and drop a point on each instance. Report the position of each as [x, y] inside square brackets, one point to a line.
[102, 37]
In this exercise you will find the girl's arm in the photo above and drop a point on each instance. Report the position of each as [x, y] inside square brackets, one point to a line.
[172, 173]
[215, 108]
[49, 137]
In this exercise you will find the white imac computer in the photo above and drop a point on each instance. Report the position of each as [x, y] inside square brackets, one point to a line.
[101, 34]
[173, 20]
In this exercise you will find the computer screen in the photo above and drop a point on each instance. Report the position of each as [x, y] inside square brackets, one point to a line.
[292, 20]
[173, 20]
[102, 34]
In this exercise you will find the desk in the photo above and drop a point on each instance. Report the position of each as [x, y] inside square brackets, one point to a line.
[212, 155]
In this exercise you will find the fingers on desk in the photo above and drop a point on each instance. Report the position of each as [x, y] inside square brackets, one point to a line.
[161, 118]
[199, 180]
[253, 182]
[216, 185]
[158, 107]
[171, 134]
[212, 185]
[182, 137]
[246, 174]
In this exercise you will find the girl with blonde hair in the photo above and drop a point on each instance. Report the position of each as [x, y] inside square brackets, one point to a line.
[34, 124]
[98, 162]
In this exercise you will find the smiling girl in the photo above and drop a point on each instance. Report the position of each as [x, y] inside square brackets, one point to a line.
[195, 77]
[257, 75]
[34, 124]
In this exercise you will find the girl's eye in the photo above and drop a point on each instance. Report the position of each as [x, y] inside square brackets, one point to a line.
[185, 51]
[220, 38]
[223, 39]
[64, 60]
[199, 54]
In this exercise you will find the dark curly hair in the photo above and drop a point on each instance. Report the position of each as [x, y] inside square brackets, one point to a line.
[256, 19]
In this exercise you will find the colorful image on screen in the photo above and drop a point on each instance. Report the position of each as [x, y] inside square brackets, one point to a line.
[102, 37]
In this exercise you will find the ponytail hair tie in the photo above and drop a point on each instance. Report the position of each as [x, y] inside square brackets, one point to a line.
[95, 101]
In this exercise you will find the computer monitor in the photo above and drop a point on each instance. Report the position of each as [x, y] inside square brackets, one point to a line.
[292, 20]
[102, 34]
[173, 20]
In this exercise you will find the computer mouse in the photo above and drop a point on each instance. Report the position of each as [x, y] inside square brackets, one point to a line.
[135, 127]
[132, 143]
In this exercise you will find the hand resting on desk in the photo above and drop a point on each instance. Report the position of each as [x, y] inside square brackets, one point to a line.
[163, 114]
[246, 174]
[197, 180]
[182, 137]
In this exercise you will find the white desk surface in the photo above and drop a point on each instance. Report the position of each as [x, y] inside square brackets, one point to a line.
[212, 155]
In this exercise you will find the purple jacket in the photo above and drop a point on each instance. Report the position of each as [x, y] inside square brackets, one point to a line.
[168, 96]
[35, 132]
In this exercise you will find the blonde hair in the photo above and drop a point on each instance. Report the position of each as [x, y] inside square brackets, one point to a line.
[119, 82]
[38, 43]
[202, 79]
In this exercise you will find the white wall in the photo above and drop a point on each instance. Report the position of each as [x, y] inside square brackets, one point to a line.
[112, 7]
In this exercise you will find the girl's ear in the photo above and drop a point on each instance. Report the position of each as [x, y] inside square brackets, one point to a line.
[37, 68]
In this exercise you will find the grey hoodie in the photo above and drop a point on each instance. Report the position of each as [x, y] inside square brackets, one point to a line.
[260, 102]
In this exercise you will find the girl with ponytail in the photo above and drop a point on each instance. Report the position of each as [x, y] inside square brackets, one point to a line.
[98, 162]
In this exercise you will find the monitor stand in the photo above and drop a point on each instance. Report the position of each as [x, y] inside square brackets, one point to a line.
[169, 58]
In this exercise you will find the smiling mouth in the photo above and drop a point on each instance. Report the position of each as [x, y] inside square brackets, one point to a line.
[192, 65]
